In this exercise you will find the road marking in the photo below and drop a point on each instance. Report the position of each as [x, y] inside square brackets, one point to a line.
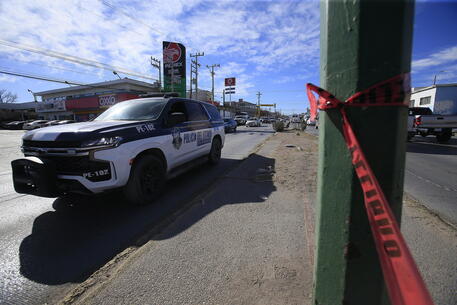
[431, 182]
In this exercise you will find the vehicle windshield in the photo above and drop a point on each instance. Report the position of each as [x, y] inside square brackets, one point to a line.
[134, 110]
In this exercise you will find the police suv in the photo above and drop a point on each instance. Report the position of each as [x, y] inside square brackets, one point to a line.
[135, 145]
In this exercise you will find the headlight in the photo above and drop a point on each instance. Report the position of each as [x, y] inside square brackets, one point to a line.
[109, 141]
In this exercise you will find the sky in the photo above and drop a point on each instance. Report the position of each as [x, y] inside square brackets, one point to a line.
[270, 47]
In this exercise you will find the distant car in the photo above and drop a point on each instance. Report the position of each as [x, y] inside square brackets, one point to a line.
[51, 123]
[230, 125]
[253, 123]
[14, 125]
[240, 120]
[34, 124]
[66, 122]
[309, 122]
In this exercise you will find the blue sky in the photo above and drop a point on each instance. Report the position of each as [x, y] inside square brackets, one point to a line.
[270, 46]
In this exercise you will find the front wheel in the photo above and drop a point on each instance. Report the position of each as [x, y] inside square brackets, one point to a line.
[146, 181]
[215, 152]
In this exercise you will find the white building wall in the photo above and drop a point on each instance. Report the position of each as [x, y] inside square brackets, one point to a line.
[446, 101]
[416, 96]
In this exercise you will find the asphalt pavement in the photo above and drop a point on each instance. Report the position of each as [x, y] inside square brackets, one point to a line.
[49, 245]
[431, 175]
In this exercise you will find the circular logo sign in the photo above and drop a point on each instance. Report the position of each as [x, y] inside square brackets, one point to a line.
[172, 53]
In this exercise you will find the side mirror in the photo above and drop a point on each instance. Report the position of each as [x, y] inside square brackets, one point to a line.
[175, 118]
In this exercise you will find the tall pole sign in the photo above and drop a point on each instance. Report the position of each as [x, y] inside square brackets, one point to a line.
[174, 67]
[230, 83]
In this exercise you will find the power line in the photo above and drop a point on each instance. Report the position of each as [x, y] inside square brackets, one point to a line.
[71, 58]
[53, 67]
[56, 80]
[110, 5]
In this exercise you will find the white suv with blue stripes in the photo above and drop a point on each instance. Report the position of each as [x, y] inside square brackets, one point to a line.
[135, 145]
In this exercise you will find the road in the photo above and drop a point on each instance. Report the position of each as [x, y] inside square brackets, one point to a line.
[50, 246]
[431, 175]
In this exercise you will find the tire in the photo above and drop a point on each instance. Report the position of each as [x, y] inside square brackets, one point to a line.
[215, 152]
[423, 134]
[146, 182]
[444, 137]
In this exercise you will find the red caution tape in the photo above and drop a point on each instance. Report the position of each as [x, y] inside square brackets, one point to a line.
[403, 280]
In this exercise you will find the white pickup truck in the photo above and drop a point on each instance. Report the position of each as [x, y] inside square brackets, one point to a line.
[422, 122]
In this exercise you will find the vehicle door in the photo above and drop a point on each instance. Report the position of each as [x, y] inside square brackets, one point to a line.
[177, 149]
[200, 135]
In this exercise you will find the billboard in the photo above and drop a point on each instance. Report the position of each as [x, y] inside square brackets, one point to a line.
[174, 67]
[51, 105]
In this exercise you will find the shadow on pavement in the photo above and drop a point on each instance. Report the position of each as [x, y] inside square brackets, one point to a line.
[428, 147]
[251, 131]
[71, 243]
[249, 183]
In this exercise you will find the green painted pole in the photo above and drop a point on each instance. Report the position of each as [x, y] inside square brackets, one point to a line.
[362, 43]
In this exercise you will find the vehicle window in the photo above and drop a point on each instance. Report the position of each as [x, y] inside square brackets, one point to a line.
[195, 112]
[134, 110]
[213, 112]
[420, 111]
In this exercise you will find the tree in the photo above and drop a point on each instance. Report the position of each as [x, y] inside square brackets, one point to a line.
[7, 97]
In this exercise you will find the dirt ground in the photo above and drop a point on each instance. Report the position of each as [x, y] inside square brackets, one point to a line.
[296, 170]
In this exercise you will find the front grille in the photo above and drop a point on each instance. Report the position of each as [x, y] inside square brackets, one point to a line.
[51, 144]
[81, 166]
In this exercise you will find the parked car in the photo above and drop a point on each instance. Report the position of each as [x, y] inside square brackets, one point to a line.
[34, 124]
[14, 125]
[230, 125]
[253, 123]
[66, 122]
[51, 123]
[240, 120]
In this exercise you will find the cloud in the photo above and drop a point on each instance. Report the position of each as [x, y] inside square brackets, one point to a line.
[248, 38]
[442, 57]
[7, 78]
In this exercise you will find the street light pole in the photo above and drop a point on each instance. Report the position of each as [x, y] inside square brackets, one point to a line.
[34, 96]
[434, 79]
[115, 73]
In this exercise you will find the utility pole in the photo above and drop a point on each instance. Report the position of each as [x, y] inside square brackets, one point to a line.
[223, 103]
[196, 65]
[156, 64]
[258, 103]
[193, 72]
[356, 53]
[211, 71]
[190, 78]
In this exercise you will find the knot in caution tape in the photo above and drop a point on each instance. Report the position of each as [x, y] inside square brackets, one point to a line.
[403, 280]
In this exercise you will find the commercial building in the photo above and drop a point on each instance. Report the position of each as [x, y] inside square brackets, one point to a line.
[440, 98]
[242, 106]
[82, 103]
[17, 111]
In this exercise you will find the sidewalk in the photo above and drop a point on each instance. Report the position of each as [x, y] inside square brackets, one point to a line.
[243, 242]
